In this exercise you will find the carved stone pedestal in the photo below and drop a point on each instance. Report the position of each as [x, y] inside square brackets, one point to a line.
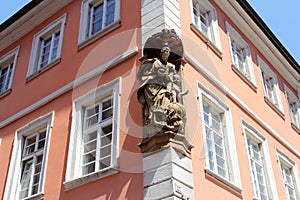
[167, 173]
[166, 139]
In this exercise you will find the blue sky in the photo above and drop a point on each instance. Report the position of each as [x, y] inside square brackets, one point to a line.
[282, 17]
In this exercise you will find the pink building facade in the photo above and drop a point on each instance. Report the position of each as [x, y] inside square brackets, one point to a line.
[71, 123]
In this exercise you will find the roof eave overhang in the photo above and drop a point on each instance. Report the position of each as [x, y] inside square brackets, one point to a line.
[244, 17]
[27, 18]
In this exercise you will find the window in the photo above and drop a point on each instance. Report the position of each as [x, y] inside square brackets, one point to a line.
[32, 163]
[293, 103]
[270, 85]
[205, 20]
[257, 169]
[240, 55]
[259, 164]
[218, 136]
[7, 66]
[97, 16]
[97, 136]
[214, 135]
[289, 175]
[47, 45]
[94, 135]
[27, 165]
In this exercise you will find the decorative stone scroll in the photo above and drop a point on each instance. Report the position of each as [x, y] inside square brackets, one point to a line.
[160, 91]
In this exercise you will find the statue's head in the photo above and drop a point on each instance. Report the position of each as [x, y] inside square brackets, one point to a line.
[165, 52]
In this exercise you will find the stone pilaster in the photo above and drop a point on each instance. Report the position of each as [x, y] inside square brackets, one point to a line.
[166, 154]
[158, 15]
[168, 175]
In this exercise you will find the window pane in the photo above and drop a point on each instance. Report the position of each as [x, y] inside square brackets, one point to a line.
[92, 116]
[42, 139]
[90, 136]
[90, 157]
[45, 52]
[5, 77]
[97, 18]
[110, 12]
[107, 104]
[104, 163]
[256, 165]
[105, 151]
[25, 180]
[30, 145]
[107, 109]
[88, 168]
[105, 140]
[90, 146]
[55, 43]
[214, 141]
[107, 129]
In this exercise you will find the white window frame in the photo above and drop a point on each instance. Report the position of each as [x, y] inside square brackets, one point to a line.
[48, 32]
[283, 159]
[12, 187]
[267, 73]
[251, 133]
[294, 112]
[84, 32]
[212, 20]
[233, 178]
[9, 60]
[74, 175]
[237, 42]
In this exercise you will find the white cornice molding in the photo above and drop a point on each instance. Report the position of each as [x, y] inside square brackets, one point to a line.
[30, 20]
[242, 20]
[80, 80]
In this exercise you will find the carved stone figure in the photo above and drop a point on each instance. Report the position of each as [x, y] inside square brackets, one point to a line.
[160, 92]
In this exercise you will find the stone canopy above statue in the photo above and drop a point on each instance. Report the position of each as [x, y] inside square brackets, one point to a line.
[166, 37]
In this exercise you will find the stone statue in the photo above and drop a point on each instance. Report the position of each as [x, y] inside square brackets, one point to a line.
[159, 93]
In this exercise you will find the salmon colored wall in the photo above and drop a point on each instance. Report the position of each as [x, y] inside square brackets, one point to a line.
[73, 64]
[207, 187]
[76, 62]
[25, 93]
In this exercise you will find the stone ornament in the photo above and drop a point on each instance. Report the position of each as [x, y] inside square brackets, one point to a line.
[160, 84]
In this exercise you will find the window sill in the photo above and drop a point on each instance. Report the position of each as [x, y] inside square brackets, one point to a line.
[275, 108]
[6, 92]
[295, 127]
[244, 78]
[209, 43]
[98, 35]
[89, 178]
[223, 182]
[38, 196]
[50, 65]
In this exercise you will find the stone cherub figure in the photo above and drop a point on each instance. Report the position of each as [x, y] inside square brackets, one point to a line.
[159, 94]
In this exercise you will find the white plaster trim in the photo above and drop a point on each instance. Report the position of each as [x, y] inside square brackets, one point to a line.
[235, 36]
[197, 65]
[74, 177]
[71, 85]
[11, 55]
[58, 24]
[14, 172]
[285, 160]
[84, 21]
[229, 140]
[250, 132]
[269, 72]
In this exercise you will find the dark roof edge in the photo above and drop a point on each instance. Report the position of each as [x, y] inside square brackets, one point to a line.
[19, 14]
[261, 24]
